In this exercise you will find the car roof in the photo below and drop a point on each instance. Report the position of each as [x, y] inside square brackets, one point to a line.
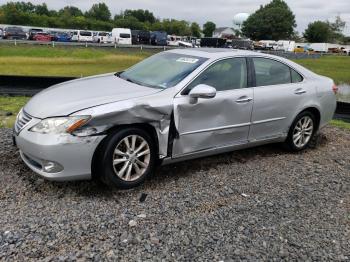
[217, 53]
[212, 52]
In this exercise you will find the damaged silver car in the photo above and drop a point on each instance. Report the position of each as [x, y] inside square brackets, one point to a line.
[173, 106]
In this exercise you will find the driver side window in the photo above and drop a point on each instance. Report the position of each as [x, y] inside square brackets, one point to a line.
[224, 75]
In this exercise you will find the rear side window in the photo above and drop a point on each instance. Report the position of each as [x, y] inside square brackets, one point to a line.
[224, 75]
[296, 77]
[270, 72]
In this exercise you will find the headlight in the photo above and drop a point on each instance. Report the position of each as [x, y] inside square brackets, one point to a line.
[58, 125]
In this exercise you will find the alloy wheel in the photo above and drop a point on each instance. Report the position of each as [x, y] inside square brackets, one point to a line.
[131, 158]
[303, 131]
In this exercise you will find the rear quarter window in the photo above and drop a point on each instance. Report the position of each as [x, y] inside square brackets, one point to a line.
[296, 77]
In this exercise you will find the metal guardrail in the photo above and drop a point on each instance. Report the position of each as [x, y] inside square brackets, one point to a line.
[28, 85]
[84, 44]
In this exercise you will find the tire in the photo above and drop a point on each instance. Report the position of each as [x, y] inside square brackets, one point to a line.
[118, 166]
[303, 127]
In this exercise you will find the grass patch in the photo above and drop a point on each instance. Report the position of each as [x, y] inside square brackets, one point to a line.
[12, 105]
[66, 61]
[29, 60]
[335, 67]
[341, 124]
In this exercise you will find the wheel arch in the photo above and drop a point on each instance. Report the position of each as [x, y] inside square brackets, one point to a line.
[312, 109]
[316, 112]
[97, 154]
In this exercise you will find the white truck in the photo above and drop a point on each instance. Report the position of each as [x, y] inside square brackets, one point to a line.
[121, 36]
[103, 37]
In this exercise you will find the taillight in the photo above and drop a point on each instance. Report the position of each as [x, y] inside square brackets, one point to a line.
[335, 89]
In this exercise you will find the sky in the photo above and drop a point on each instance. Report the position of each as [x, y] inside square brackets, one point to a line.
[221, 12]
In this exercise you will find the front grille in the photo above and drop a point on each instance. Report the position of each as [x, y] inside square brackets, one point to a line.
[22, 120]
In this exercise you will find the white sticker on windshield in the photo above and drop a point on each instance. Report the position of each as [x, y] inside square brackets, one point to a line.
[187, 60]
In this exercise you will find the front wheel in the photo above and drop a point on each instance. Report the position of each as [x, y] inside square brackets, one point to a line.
[301, 131]
[128, 157]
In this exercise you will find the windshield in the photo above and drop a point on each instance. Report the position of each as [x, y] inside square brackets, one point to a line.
[14, 29]
[163, 70]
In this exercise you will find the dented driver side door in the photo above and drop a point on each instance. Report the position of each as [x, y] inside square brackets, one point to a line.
[216, 122]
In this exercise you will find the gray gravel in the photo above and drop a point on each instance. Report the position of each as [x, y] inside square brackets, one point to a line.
[261, 203]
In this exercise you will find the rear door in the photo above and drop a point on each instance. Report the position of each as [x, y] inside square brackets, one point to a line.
[278, 96]
[220, 121]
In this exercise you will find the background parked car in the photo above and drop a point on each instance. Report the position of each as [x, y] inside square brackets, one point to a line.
[213, 42]
[63, 37]
[42, 36]
[14, 32]
[346, 51]
[244, 44]
[140, 37]
[159, 38]
[1, 33]
[53, 35]
[82, 36]
[32, 32]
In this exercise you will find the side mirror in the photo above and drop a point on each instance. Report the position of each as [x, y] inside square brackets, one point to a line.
[201, 91]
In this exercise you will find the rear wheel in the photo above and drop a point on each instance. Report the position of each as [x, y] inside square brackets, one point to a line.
[301, 131]
[127, 158]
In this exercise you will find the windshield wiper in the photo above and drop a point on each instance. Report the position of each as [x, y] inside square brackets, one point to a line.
[118, 73]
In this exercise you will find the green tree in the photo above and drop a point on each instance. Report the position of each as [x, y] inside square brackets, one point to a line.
[337, 28]
[318, 32]
[208, 29]
[274, 21]
[13, 14]
[42, 9]
[176, 27]
[24, 7]
[195, 30]
[99, 11]
[70, 11]
[129, 22]
[141, 15]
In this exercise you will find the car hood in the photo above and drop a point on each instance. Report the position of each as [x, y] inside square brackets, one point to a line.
[69, 97]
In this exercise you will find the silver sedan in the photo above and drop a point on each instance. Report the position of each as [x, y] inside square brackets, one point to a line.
[174, 106]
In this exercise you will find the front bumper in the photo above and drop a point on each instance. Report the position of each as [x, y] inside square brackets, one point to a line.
[74, 154]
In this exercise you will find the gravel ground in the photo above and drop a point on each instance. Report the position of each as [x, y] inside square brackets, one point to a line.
[261, 203]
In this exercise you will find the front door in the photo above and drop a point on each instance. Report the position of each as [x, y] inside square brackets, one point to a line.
[216, 122]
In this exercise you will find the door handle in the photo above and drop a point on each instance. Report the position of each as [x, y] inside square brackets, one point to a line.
[244, 99]
[299, 91]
